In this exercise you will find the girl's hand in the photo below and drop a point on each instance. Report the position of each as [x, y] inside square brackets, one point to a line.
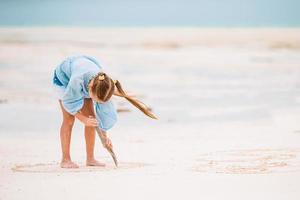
[87, 121]
[108, 143]
[90, 121]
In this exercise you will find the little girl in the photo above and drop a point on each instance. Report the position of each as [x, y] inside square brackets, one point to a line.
[84, 92]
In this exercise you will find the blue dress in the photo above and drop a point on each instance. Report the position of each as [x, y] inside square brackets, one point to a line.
[71, 78]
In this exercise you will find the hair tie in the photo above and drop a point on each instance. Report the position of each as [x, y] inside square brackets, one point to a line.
[101, 77]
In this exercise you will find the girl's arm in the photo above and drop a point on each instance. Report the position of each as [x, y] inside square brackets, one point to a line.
[108, 143]
[91, 121]
[88, 121]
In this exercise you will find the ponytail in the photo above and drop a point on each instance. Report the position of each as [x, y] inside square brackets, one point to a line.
[141, 106]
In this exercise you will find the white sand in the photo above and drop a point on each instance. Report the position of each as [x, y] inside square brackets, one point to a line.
[227, 101]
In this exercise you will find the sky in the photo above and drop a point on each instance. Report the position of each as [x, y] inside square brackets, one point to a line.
[208, 13]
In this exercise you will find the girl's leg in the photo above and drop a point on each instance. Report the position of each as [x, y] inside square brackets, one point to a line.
[88, 110]
[65, 138]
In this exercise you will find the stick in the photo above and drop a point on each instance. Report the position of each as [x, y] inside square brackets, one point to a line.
[110, 150]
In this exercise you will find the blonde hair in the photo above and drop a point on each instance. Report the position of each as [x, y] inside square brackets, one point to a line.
[103, 87]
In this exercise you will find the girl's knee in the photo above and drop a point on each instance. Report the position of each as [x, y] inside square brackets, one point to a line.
[69, 121]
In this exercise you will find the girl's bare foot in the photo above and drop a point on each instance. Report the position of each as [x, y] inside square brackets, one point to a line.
[68, 164]
[94, 162]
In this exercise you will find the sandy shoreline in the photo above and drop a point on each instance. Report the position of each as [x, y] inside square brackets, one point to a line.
[227, 102]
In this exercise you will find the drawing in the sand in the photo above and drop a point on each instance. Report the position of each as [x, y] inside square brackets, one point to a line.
[249, 161]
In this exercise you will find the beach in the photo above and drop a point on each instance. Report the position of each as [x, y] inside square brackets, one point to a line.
[227, 102]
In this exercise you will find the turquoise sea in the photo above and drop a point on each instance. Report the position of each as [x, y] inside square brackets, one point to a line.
[212, 13]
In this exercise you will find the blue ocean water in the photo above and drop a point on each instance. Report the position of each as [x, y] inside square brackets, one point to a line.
[206, 13]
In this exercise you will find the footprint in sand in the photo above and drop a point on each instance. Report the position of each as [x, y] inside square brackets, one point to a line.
[252, 161]
[55, 168]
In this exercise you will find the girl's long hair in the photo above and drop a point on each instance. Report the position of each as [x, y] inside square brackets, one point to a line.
[103, 86]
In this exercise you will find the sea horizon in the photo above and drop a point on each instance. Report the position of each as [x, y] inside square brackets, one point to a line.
[229, 13]
[150, 26]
